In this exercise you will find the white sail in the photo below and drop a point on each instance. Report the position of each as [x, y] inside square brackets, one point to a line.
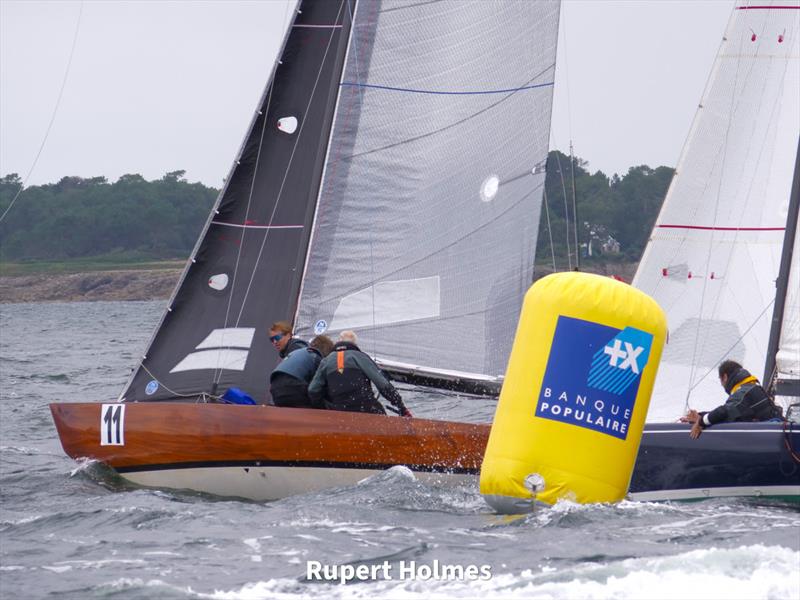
[714, 253]
[425, 234]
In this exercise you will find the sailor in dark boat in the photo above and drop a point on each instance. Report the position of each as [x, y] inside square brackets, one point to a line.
[343, 381]
[288, 382]
[747, 401]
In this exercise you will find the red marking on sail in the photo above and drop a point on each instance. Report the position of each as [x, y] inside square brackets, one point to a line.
[664, 272]
[708, 228]
[689, 276]
[753, 38]
[780, 38]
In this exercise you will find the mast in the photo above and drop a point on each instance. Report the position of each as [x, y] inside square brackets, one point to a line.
[782, 285]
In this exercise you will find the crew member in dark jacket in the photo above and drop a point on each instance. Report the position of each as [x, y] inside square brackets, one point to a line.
[343, 381]
[747, 401]
[283, 340]
[288, 382]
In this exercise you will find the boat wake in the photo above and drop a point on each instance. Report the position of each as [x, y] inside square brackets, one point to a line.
[755, 571]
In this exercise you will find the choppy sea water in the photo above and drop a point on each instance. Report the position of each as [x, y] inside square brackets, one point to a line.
[70, 530]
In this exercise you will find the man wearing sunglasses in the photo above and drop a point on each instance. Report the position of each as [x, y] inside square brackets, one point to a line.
[288, 382]
[280, 334]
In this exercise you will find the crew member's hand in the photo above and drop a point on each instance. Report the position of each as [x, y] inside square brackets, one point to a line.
[406, 413]
[697, 429]
[690, 417]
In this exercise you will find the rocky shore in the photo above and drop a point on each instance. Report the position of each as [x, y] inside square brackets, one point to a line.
[145, 284]
[88, 287]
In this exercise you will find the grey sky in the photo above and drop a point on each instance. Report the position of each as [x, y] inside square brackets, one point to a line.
[160, 86]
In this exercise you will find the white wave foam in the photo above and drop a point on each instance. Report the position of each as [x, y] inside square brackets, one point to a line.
[352, 527]
[749, 572]
[58, 568]
[83, 465]
[397, 472]
[21, 521]
[19, 450]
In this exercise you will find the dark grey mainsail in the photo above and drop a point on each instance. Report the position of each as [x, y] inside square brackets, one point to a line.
[245, 271]
[425, 233]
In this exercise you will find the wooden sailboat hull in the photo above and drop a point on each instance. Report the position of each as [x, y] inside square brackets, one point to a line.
[267, 453]
[263, 452]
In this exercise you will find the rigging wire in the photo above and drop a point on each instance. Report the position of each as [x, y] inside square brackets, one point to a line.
[572, 158]
[713, 231]
[52, 116]
[574, 206]
[724, 354]
[566, 208]
[758, 161]
[173, 392]
[549, 228]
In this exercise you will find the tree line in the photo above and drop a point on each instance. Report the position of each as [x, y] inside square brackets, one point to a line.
[133, 218]
[77, 217]
[615, 215]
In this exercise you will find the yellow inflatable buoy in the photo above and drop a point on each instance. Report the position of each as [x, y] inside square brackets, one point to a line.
[575, 396]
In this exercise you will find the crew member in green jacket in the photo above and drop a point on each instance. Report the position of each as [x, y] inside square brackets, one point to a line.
[343, 381]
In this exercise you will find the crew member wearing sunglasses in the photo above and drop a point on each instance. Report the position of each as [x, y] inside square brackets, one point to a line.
[288, 382]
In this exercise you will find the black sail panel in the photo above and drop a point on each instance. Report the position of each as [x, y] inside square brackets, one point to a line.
[247, 268]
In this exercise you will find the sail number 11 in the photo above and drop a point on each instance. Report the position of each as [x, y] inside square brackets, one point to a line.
[112, 425]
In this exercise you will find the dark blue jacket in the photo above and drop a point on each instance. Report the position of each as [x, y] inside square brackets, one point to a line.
[300, 363]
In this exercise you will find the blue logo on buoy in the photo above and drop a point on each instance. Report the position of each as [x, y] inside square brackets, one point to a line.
[151, 388]
[593, 374]
[320, 327]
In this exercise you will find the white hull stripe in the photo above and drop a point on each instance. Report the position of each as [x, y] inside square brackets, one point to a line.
[719, 492]
[274, 483]
[711, 430]
[269, 483]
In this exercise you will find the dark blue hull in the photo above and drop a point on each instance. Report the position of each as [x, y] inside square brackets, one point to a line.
[732, 459]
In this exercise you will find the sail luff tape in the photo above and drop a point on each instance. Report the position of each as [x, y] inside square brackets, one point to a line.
[549, 424]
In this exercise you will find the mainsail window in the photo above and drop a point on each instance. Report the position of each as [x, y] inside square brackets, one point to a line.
[389, 302]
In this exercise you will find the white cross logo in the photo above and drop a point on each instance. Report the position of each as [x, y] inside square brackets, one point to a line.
[630, 354]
